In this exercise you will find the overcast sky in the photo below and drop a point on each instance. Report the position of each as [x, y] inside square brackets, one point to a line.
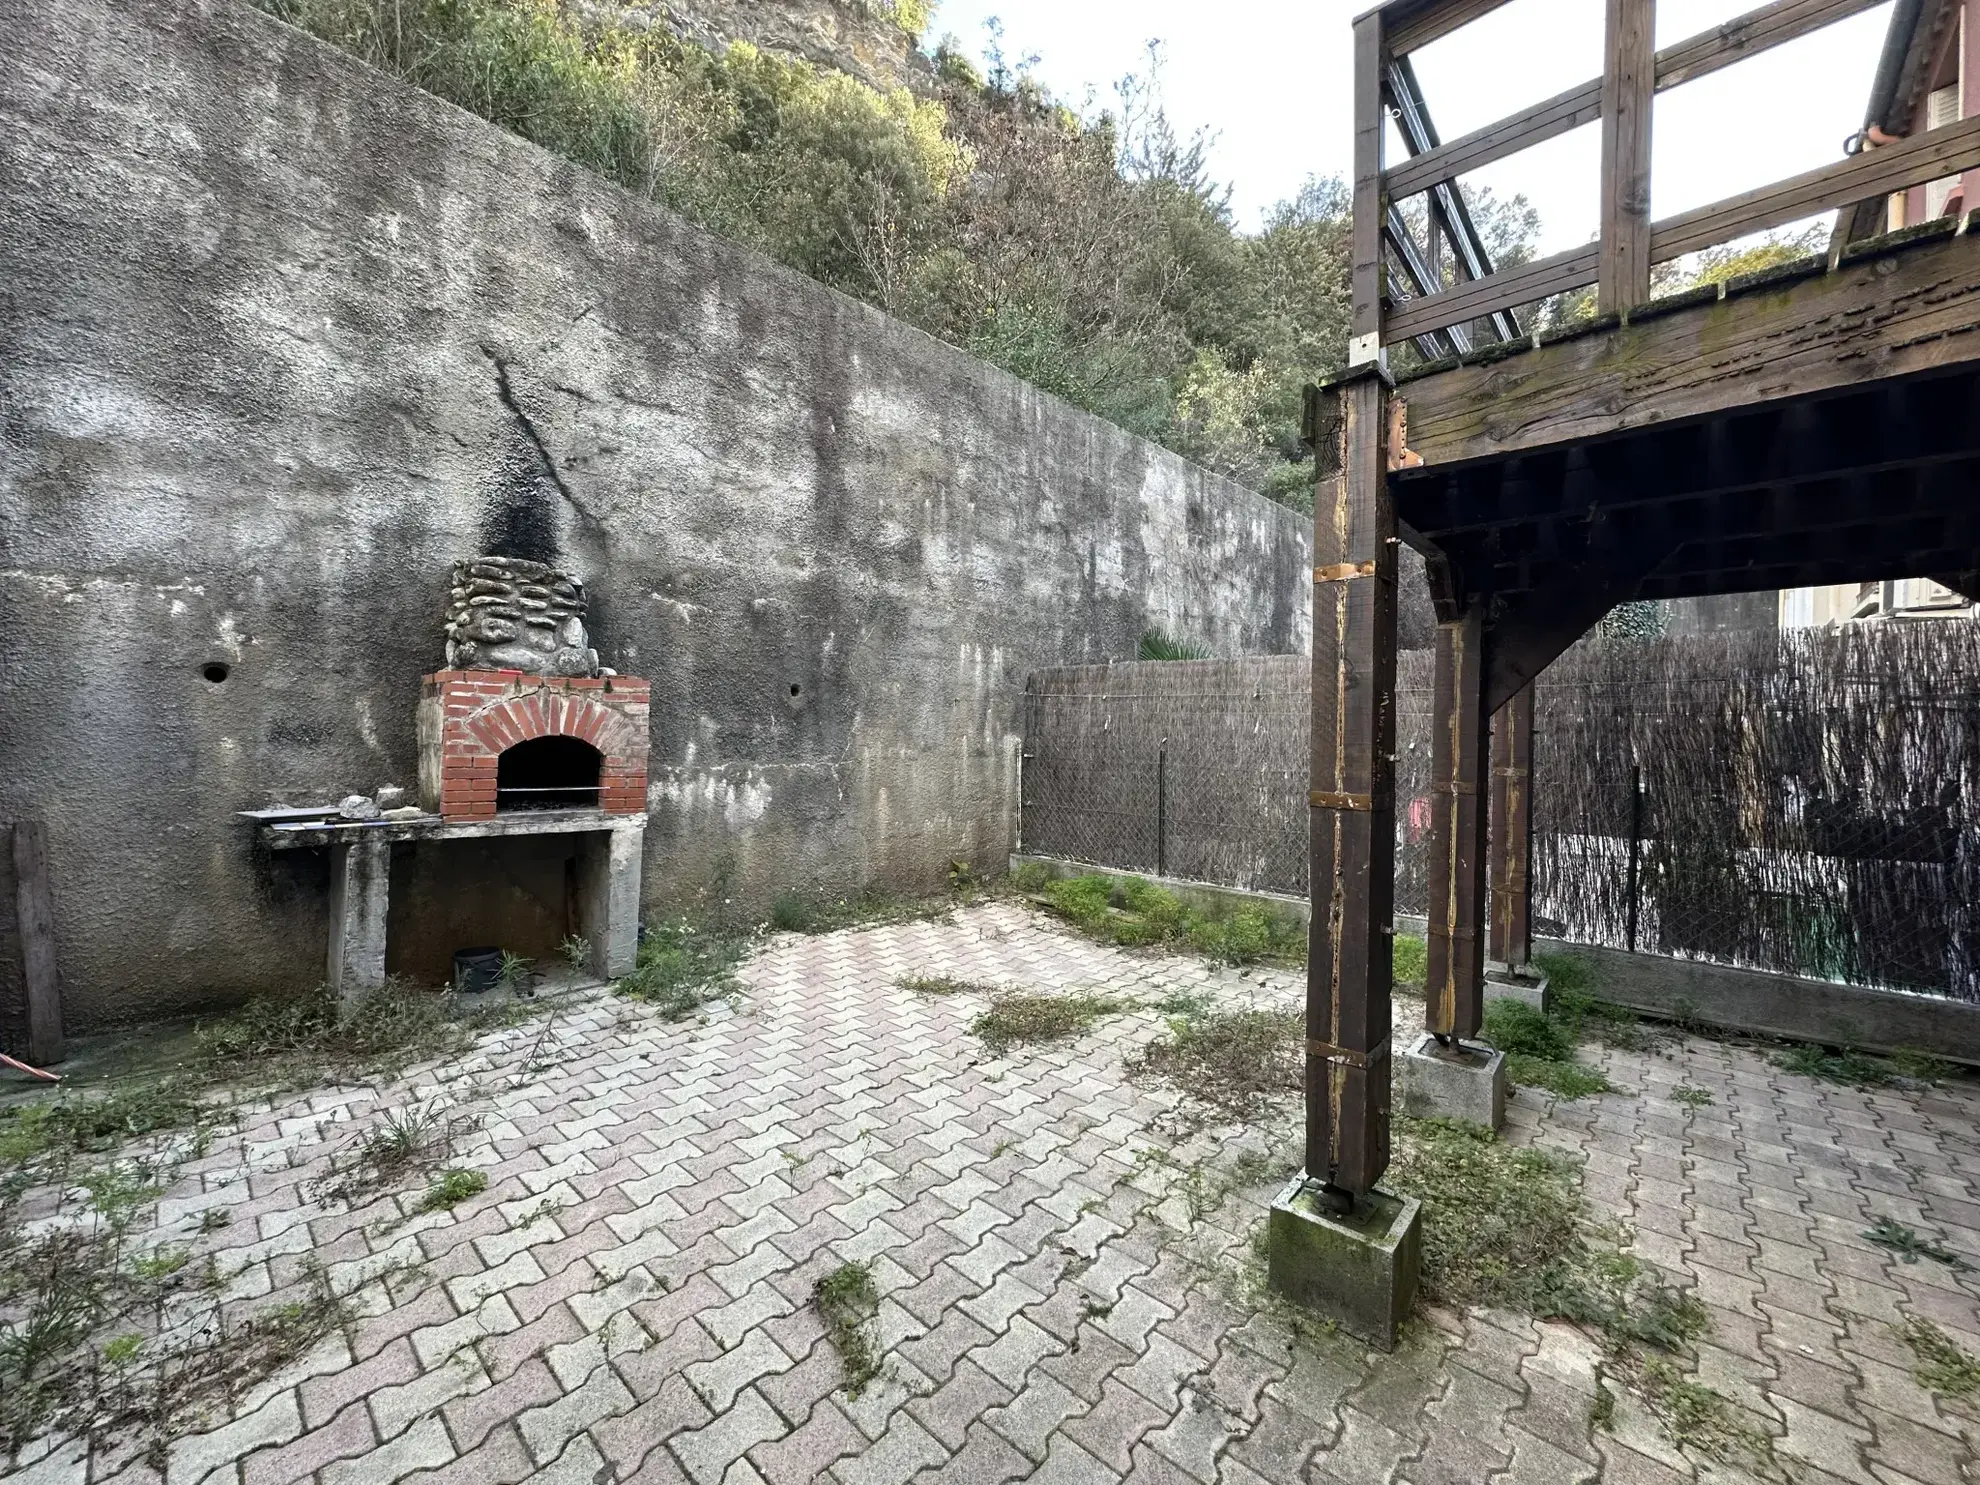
[1270, 79]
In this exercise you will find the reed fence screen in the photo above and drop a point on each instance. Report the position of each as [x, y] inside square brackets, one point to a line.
[1806, 802]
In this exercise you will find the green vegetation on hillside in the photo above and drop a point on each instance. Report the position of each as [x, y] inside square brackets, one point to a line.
[1093, 256]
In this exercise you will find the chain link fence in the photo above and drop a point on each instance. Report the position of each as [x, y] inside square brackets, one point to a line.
[1807, 803]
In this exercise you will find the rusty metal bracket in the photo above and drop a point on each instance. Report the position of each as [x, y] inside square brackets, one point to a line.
[1328, 1052]
[1342, 572]
[1322, 799]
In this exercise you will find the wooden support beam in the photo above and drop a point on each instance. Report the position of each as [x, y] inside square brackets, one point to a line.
[1915, 308]
[1629, 87]
[1350, 964]
[1416, 23]
[1512, 831]
[1454, 993]
[1365, 331]
[35, 904]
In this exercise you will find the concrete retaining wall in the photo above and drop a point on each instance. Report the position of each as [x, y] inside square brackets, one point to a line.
[281, 338]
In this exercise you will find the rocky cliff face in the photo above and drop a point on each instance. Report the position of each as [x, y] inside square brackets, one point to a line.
[858, 37]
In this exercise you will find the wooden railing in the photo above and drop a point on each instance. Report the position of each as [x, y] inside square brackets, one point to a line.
[1415, 304]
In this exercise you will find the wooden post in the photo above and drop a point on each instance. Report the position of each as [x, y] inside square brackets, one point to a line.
[1512, 831]
[1629, 89]
[1351, 945]
[36, 906]
[1349, 972]
[1454, 995]
[1366, 280]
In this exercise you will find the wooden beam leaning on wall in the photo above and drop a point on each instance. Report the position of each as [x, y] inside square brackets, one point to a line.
[35, 904]
[1454, 991]
[1512, 831]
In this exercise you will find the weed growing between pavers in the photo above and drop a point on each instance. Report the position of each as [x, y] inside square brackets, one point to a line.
[682, 966]
[812, 912]
[451, 1187]
[1700, 1418]
[1691, 1096]
[1237, 1061]
[1944, 1367]
[1134, 912]
[848, 1303]
[1904, 1241]
[129, 1338]
[1853, 1069]
[1540, 1051]
[1016, 1020]
[1504, 1227]
[944, 985]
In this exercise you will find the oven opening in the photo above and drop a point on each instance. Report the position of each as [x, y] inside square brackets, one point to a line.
[548, 773]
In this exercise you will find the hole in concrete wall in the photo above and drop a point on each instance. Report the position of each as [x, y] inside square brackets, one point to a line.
[548, 773]
[214, 671]
[795, 688]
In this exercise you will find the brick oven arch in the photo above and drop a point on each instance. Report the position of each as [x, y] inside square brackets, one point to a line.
[469, 718]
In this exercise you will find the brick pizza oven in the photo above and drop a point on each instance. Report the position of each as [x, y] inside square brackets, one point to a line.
[494, 741]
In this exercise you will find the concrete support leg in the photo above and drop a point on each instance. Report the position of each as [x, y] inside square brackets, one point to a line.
[608, 896]
[360, 895]
[1454, 992]
[1460, 1081]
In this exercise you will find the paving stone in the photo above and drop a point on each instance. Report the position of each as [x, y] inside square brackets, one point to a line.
[707, 1452]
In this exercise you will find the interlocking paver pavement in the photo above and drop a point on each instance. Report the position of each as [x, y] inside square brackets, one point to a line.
[628, 1300]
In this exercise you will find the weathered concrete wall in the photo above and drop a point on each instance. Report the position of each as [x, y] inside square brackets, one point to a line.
[280, 339]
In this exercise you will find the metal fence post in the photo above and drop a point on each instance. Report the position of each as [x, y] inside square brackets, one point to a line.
[1162, 809]
[1635, 847]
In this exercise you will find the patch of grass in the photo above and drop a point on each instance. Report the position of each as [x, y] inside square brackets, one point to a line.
[849, 1303]
[451, 1187]
[1503, 1226]
[1540, 1051]
[1494, 1218]
[1944, 1367]
[1691, 1096]
[1020, 1019]
[1849, 1068]
[1904, 1241]
[1698, 1417]
[1922, 1067]
[1237, 1061]
[1412, 960]
[944, 985]
[682, 966]
[1565, 1080]
[577, 953]
[515, 973]
[383, 1030]
[817, 912]
[159, 1263]
[1132, 912]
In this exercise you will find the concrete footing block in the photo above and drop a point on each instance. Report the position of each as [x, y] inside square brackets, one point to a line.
[1528, 987]
[1462, 1081]
[1357, 1268]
